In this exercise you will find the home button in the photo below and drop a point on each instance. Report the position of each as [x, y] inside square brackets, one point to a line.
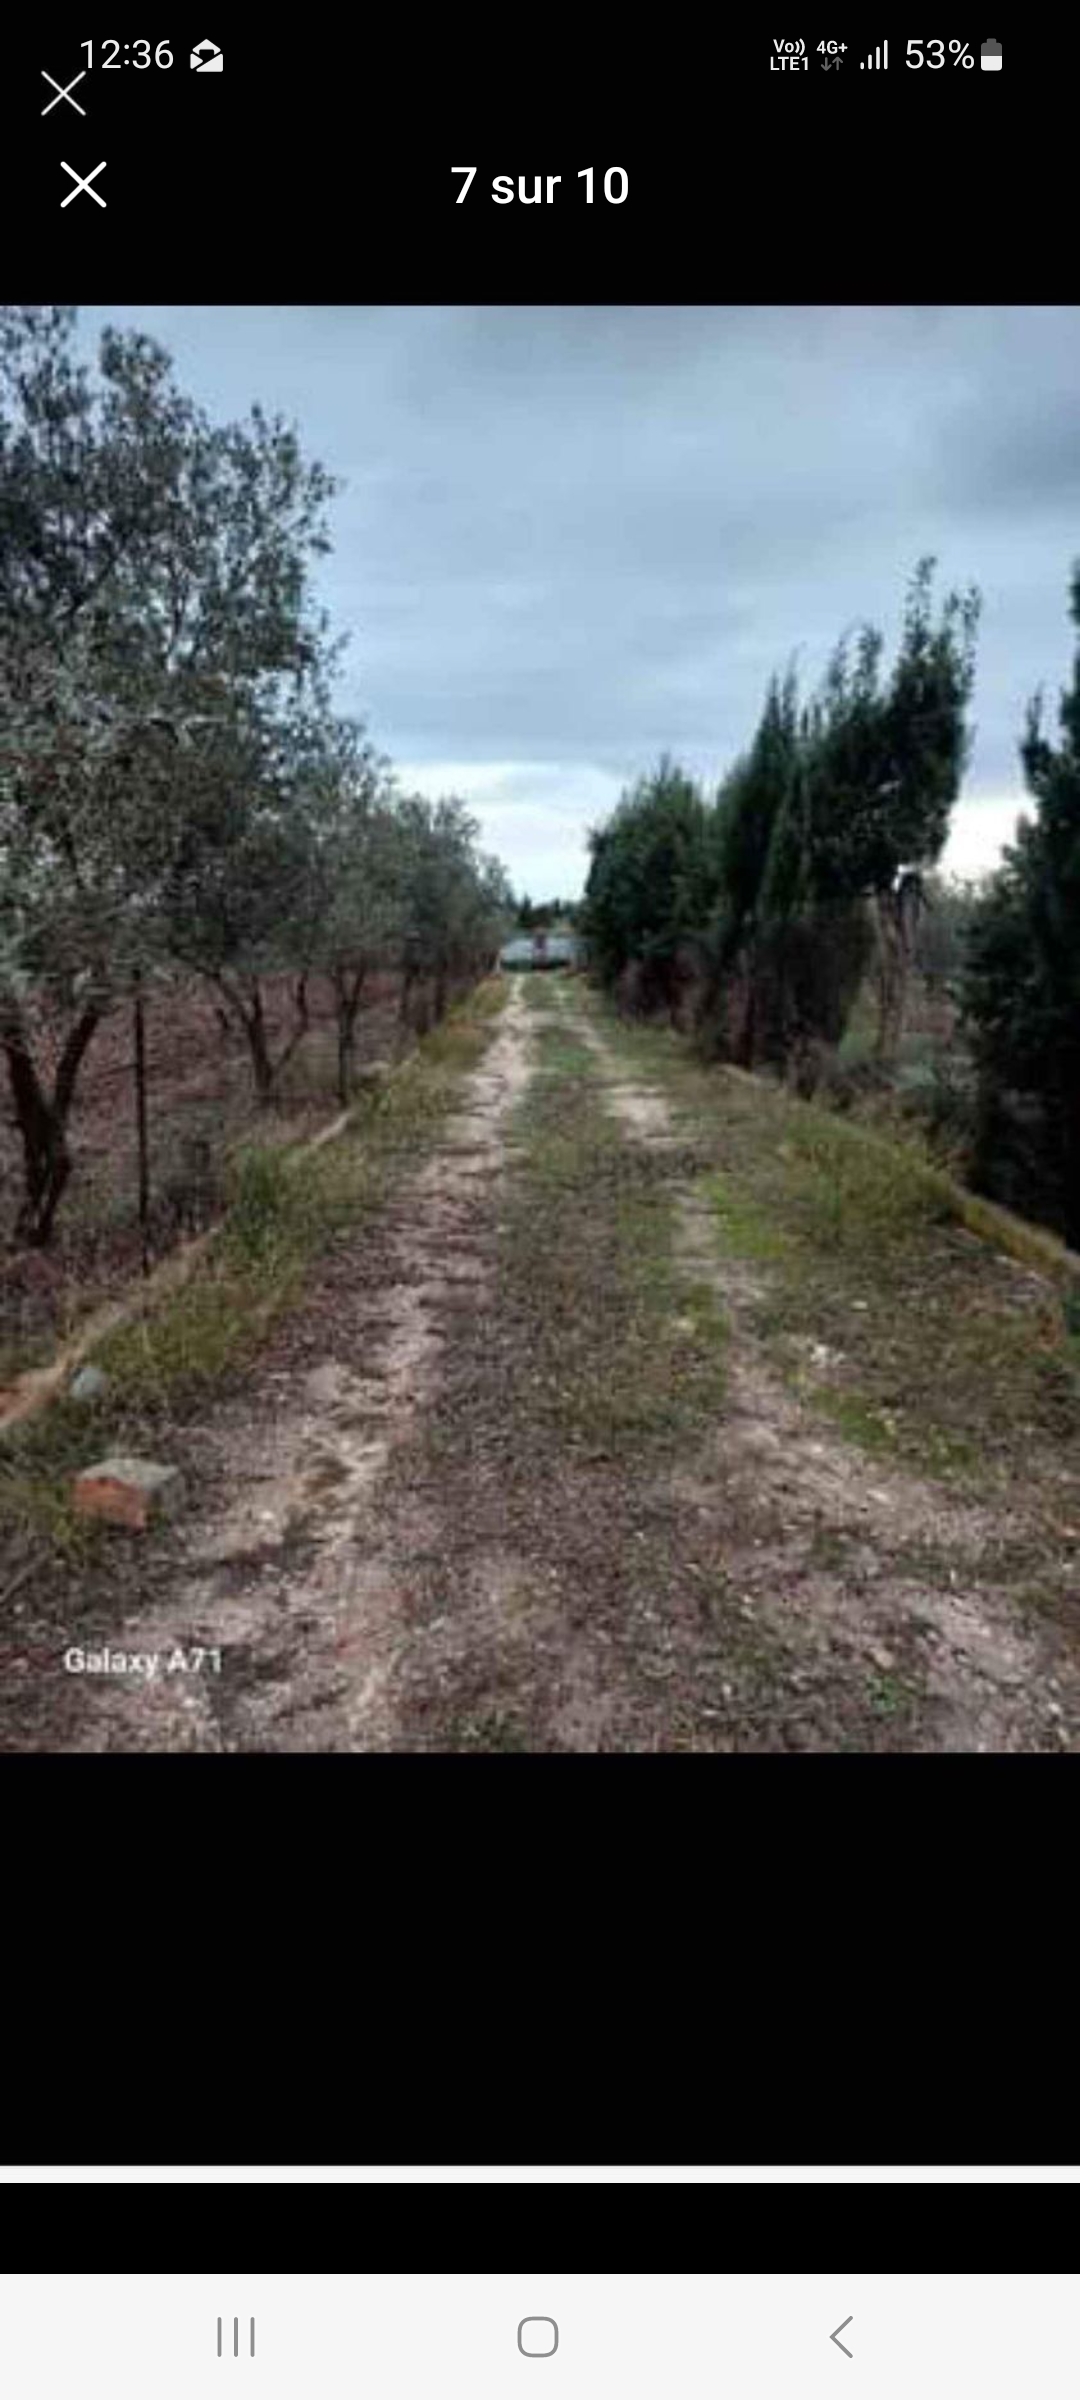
[538, 2337]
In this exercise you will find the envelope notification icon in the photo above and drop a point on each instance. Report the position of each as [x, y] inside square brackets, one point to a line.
[209, 58]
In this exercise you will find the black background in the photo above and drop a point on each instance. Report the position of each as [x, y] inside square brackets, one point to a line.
[552, 1961]
[429, 1961]
[318, 166]
[561, 2228]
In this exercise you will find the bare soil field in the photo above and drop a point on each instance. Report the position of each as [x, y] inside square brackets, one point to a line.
[199, 1085]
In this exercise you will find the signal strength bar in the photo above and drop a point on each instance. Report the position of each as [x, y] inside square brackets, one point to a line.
[878, 57]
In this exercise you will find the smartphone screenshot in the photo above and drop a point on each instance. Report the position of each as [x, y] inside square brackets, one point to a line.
[540, 1150]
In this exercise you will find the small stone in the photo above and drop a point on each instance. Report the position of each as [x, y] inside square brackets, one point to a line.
[125, 1491]
[88, 1384]
[881, 1657]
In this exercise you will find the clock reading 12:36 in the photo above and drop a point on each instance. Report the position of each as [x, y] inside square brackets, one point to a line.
[130, 54]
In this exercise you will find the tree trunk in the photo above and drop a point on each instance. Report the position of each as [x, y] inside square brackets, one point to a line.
[347, 997]
[748, 1031]
[246, 1006]
[140, 1120]
[261, 1063]
[42, 1121]
[895, 913]
[1068, 1109]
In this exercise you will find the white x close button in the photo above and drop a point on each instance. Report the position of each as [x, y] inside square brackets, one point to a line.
[538, 2337]
[63, 92]
[82, 184]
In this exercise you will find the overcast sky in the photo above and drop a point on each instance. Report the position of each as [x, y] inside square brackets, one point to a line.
[572, 538]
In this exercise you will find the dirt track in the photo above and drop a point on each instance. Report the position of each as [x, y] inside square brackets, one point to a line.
[453, 1508]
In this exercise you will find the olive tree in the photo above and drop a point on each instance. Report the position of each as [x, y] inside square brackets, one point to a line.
[240, 891]
[360, 871]
[154, 592]
[457, 901]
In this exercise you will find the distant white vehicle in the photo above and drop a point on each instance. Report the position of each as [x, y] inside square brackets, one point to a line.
[540, 949]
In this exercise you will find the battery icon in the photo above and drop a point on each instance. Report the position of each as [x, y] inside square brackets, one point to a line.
[990, 57]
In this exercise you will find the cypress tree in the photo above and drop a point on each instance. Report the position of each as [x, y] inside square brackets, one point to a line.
[1022, 985]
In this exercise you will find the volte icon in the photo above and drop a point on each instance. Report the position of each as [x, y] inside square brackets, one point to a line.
[236, 2337]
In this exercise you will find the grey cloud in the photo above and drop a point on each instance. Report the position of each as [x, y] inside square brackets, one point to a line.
[572, 537]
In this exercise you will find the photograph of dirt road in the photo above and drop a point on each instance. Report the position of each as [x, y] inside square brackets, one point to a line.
[539, 1014]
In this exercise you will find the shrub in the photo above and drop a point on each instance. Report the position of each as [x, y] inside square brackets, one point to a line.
[260, 1204]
